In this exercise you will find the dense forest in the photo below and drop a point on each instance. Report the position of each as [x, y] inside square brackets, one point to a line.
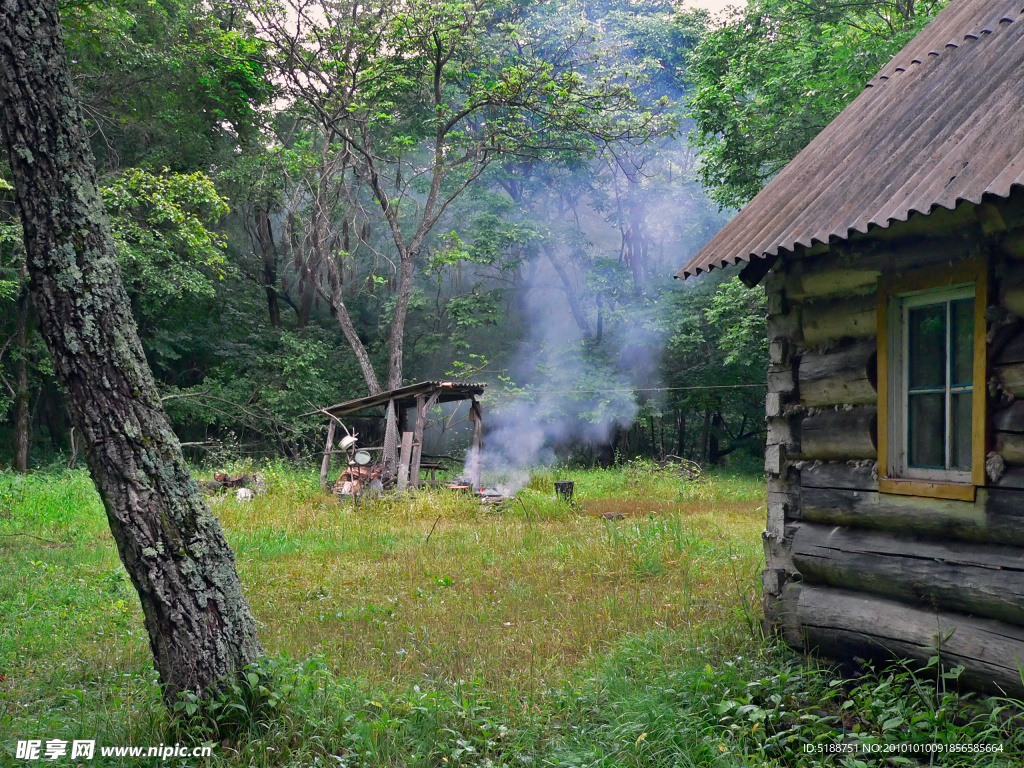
[316, 201]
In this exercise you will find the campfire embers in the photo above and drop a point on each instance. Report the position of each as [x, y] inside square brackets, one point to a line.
[484, 495]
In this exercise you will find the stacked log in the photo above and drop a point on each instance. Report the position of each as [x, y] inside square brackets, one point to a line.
[845, 624]
[840, 434]
[855, 571]
[845, 375]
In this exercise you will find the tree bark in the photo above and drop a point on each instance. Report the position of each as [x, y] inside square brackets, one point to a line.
[265, 237]
[200, 627]
[22, 394]
[396, 341]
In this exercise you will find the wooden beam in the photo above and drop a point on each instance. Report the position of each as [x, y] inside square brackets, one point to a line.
[325, 465]
[756, 269]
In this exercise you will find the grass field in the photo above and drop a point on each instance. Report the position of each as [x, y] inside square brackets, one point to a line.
[428, 630]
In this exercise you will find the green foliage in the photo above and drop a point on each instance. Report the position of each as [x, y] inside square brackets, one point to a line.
[162, 228]
[173, 83]
[775, 72]
[740, 313]
[689, 685]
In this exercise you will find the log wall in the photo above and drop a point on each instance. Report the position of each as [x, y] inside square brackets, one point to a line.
[851, 569]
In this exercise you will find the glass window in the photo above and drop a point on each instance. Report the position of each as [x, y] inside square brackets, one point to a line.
[937, 382]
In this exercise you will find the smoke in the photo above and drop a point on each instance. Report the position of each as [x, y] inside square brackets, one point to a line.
[568, 390]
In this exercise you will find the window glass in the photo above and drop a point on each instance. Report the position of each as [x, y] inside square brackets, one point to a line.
[928, 347]
[962, 338]
[925, 427]
[960, 430]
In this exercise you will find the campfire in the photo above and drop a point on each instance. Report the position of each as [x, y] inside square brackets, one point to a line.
[484, 495]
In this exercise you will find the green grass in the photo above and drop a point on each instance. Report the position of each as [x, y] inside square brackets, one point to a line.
[426, 630]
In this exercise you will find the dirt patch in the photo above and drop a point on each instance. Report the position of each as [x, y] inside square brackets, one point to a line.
[631, 508]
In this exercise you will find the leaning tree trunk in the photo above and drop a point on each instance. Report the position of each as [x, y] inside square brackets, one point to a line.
[200, 628]
[22, 394]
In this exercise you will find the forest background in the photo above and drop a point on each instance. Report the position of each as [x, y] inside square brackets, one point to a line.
[312, 203]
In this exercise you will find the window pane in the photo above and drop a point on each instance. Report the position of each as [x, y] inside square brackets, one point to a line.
[960, 431]
[926, 426]
[962, 336]
[928, 347]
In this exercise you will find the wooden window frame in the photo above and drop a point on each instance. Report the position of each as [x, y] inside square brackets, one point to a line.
[970, 271]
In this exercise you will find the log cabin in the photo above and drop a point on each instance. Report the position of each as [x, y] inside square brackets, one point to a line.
[891, 251]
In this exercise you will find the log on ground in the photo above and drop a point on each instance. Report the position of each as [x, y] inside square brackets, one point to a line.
[981, 579]
[844, 624]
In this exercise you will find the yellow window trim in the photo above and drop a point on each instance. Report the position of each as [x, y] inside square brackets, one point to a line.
[972, 270]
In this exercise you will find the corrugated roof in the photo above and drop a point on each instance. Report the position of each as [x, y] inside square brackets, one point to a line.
[450, 391]
[941, 123]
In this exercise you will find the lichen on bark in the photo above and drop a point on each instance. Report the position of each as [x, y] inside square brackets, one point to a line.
[201, 630]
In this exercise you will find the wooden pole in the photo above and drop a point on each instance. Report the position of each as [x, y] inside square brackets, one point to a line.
[404, 455]
[325, 465]
[477, 417]
[423, 405]
[417, 441]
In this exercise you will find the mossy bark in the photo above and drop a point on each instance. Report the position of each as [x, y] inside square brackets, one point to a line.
[200, 627]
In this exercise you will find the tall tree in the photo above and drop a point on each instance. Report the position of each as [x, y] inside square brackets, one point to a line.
[200, 627]
[415, 100]
[771, 76]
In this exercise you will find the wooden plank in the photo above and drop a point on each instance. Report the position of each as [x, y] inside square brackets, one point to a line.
[404, 459]
[845, 624]
[979, 396]
[840, 435]
[827, 321]
[989, 519]
[882, 377]
[844, 376]
[927, 488]
[980, 579]
[839, 475]
[325, 464]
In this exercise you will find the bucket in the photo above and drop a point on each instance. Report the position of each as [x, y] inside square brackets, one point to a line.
[564, 489]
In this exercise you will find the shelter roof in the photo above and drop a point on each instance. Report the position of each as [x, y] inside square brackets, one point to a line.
[941, 123]
[405, 397]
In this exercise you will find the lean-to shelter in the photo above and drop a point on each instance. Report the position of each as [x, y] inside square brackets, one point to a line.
[405, 411]
[891, 250]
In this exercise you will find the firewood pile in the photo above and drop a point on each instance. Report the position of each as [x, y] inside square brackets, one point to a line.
[356, 480]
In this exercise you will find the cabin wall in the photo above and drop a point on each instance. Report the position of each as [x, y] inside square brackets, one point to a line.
[851, 571]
